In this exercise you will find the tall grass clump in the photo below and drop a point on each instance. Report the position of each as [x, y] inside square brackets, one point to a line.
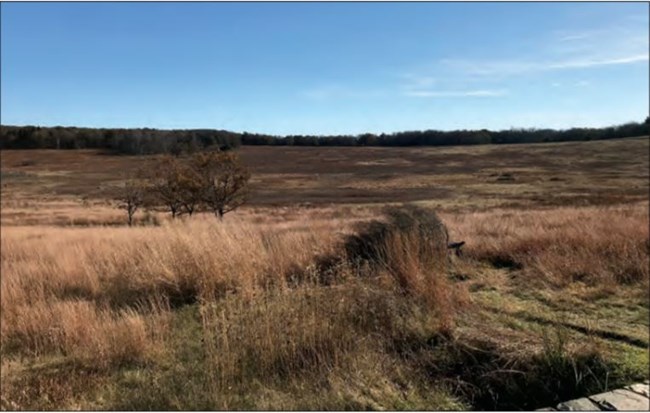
[84, 332]
[410, 245]
[309, 334]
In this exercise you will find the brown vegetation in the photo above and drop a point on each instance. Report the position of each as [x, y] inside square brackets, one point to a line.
[324, 307]
[604, 246]
[131, 197]
[214, 180]
[560, 174]
[98, 296]
[222, 180]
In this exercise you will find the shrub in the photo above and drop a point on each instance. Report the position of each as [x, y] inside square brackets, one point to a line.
[411, 241]
[411, 247]
[423, 225]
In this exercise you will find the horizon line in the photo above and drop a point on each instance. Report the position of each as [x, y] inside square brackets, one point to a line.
[330, 135]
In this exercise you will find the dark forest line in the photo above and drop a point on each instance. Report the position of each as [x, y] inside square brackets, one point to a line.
[149, 141]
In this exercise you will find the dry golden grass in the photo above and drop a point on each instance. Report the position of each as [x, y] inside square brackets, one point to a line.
[84, 333]
[121, 267]
[309, 335]
[98, 296]
[41, 261]
[265, 311]
[604, 246]
[20, 210]
[86, 290]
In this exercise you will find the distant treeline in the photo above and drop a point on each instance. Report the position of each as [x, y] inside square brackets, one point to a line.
[123, 141]
[148, 141]
[458, 137]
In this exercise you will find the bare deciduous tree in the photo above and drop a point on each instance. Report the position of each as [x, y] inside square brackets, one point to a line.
[223, 179]
[131, 197]
[214, 180]
[166, 185]
[190, 187]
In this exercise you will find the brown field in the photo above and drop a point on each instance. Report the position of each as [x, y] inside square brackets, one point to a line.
[549, 301]
[575, 173]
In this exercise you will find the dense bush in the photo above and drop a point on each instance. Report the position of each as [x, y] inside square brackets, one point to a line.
[407, 221]
[410, 246]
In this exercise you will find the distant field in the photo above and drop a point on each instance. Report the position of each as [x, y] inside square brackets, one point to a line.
[572, 173]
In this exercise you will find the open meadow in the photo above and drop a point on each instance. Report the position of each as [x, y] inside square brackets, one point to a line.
[270, 309]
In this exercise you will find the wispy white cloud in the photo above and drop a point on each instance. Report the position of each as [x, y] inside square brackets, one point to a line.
[419, 81]
[467, 77]
[575, 36]
[621, 37]
[620, 44]
[515, 67]
[455, 93]
[424, 86]
[339, 92]
[586, 62]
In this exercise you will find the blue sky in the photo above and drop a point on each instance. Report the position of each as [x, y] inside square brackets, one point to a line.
[324, 68]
